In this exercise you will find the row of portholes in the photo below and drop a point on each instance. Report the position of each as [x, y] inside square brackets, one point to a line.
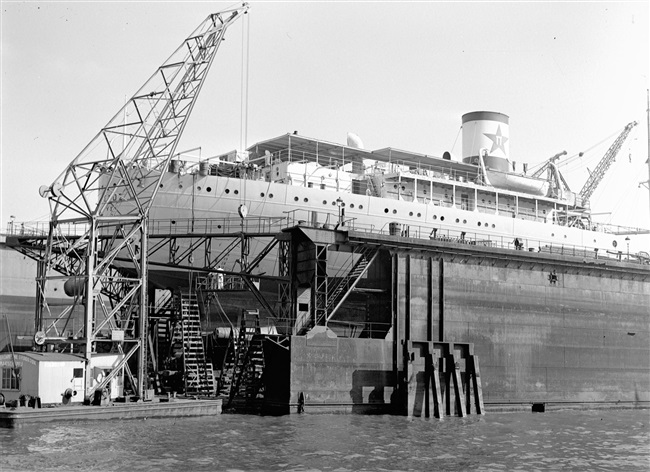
[487, 225]
[334, 203]
[386, 210]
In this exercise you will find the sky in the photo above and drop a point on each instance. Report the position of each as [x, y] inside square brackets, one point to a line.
[570, 75]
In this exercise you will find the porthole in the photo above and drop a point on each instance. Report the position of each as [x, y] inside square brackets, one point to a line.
[161, 185]
[173, 222]
[385, 210]
[442, 218]
[227, 190]
[236, 192]
[324, 202]
[208, 189]
[198, 188]
[464, 222]
[270, 195]
[403, 188]
[395, 186]
[552, 235]
[333, 203]
[360, 207]
[180, 185]
[410, 213]
[486, 224]
[394, 212]
[493, 225]
[351, 204]
[262, 194]
[218, 226]
[295, 199]
[565, 236]
[419, 215]
[305, 200]
[479, 223]
[457, 220]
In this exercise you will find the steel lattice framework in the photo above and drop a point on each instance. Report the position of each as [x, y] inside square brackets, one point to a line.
[599, 172]
[124, 163]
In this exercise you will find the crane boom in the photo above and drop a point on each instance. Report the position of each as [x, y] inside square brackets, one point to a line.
[144, 133]
[599, 172]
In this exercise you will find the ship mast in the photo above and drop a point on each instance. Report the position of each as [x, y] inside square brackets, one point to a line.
[647, 183]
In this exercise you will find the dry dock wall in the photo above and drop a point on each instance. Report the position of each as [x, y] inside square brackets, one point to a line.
[584, 338]
[581, 336]
[342, 374]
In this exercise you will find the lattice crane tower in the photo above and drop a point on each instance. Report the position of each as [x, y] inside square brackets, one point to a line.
[124, 162]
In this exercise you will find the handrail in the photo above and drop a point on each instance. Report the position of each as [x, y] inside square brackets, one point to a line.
[325, 220]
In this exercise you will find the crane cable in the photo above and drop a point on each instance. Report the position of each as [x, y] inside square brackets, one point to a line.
[245, 38]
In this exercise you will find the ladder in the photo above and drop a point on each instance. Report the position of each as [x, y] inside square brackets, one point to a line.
[199, 375]
[244, 363]
[372, 186]
[340, 289]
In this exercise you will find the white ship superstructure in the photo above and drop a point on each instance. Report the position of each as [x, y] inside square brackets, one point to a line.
[476, 198]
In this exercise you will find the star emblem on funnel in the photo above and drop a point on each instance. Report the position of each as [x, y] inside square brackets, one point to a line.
[498, 140]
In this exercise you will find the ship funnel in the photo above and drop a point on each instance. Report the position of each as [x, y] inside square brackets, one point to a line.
[486, 130]
[354, 141]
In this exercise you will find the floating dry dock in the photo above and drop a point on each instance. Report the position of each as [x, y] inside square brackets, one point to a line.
[396, 323]
[16, 417]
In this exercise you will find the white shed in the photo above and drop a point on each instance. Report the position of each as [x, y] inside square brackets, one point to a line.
[42, 374]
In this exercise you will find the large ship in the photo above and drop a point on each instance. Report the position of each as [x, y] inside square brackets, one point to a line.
[380, 274]
[477, 196]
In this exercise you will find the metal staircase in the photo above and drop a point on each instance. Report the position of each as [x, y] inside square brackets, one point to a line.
[199, 376]
[340, 289]
[372, 186]
[331, 292]
[243, 369]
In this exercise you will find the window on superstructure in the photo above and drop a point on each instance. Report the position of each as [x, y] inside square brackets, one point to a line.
[322, 186]
[310, 184]
[11, 378]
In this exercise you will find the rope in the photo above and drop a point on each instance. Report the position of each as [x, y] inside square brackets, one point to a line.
[460, 128]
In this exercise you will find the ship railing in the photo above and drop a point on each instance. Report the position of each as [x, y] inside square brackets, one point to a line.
[418, 170]
[42, 228]
[502, 242]
[414, 169]
[203, 226]
[319, 219]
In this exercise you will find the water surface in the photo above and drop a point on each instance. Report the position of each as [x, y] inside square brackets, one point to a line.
[558, 440]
